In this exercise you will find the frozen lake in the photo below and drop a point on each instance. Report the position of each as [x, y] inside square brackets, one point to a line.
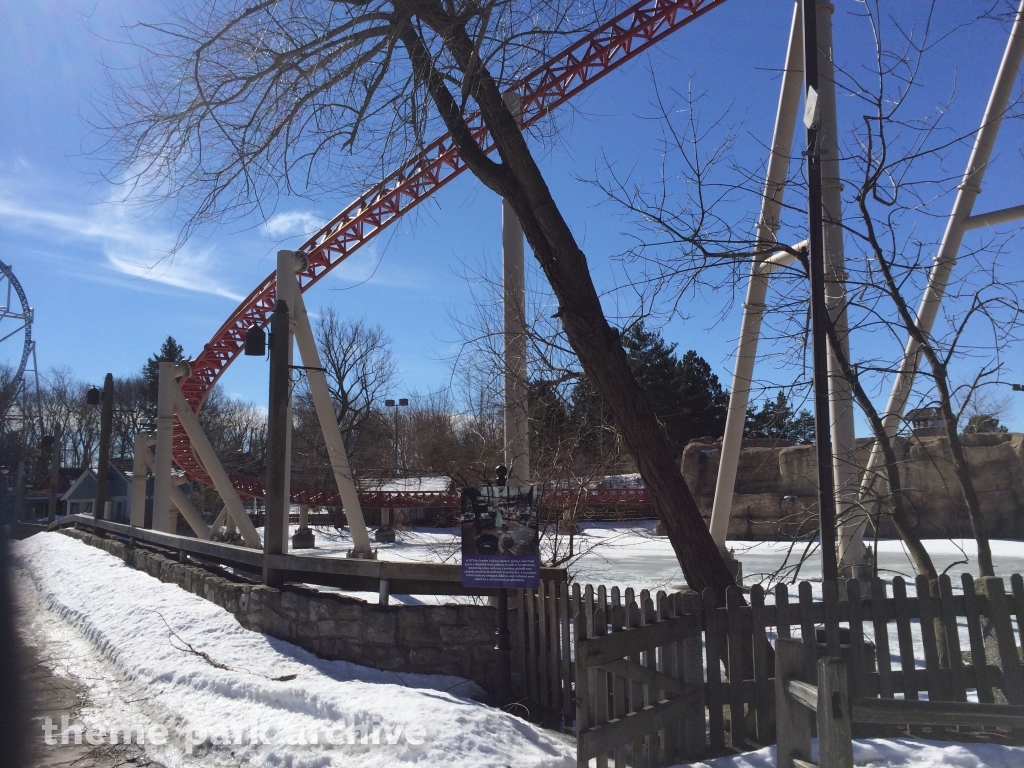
[632, 556]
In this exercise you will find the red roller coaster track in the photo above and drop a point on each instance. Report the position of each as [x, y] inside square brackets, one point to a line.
[549, 86]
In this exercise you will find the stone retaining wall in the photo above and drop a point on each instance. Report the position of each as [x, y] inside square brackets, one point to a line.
[448, 639]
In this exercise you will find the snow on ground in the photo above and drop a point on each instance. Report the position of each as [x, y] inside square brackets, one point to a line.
[895, 753]
[225, 695]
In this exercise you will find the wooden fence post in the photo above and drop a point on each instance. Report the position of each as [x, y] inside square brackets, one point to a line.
[792, 720]
[835, 747]
[693, 672]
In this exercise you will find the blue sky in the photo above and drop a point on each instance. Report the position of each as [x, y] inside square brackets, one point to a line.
[104, 300]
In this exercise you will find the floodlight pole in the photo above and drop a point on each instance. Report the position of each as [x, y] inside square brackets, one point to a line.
[103, 465]
[819, 309]
[51, 514]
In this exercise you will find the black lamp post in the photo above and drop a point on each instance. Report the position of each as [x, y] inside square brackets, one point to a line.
[386, 530]
[819, 311]
[94, 397]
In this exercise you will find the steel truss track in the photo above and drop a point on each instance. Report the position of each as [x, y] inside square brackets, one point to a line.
[551, 85]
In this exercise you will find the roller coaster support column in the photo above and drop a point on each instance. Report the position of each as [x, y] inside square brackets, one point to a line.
[278, 429]
[757, 288]
[844, 438]
[179, 501]
[517, 427]
[290, 262]
[201, 445]
[140, 479]
[162, 480]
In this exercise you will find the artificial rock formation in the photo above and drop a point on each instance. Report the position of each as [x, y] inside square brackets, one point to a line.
[776, 490]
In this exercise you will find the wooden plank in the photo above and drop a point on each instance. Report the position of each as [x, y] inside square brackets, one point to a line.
[554, 649]
[906, 640]
[635, 690]
[737, 720]
[714, 673]
[620, 644]
[634, 725]
[619, 683]
[1017, 588]
[858, 666]
[588, 610]
[674, 735]
[835, 745]
[565, 623]
[938, 713]
[601, 715]
[531, 646]
[648, 617]
[983, 681]
[543, 682]
[584, 716]
[1003, 644]
[936, 689]
[830, 598]
[782, 617]
[693, 665]
[793, 721]
[762, 687]
[520, 605]
[880, 621]
[807, 620]
[957, 689]
[804, 694]
[643, 674]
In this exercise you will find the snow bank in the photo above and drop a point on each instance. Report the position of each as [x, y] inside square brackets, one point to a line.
[228, 695]
[896, 753]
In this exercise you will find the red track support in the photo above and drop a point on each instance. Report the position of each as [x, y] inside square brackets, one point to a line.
[546, 88]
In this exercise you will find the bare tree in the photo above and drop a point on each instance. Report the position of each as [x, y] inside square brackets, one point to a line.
[895, 159]
[235, 103]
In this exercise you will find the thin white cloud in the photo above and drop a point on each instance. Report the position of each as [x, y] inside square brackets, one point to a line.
[132, 248]
[292, 224]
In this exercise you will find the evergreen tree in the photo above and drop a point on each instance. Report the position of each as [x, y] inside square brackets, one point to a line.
[170, 352]
[776, 420]
[686, 395]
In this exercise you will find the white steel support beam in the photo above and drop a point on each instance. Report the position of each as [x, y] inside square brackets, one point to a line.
[994, 218]
[180, 502]
[844, 439]
[318, 388]
[517, 427]
[139, 480]
[208, 458]
[162, 480]
[945, 257]
[757, 287]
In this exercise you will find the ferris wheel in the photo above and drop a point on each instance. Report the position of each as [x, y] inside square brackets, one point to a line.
[15, 327]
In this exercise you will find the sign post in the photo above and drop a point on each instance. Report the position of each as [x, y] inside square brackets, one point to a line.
[500, 550]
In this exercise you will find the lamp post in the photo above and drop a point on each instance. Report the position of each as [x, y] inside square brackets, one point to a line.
[106, 397]
[819, 311]
[386, 531]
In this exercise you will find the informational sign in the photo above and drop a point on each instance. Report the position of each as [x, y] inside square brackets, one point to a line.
[500, 537]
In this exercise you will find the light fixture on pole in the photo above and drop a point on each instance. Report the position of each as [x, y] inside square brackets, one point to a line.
[386, 531]
[105, 398]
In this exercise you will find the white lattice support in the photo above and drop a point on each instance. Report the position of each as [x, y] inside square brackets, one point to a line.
[180, 503]
[162, 480]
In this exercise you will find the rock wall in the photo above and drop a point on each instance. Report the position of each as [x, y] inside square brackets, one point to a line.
[447, 639]
[776, 485]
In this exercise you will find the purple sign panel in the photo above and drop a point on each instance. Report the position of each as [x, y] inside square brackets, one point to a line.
[499, 537]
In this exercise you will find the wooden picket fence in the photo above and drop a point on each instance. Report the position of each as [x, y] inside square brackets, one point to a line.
[563, 666]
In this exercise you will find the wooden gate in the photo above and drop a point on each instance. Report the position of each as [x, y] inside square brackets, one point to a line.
[639, 680]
